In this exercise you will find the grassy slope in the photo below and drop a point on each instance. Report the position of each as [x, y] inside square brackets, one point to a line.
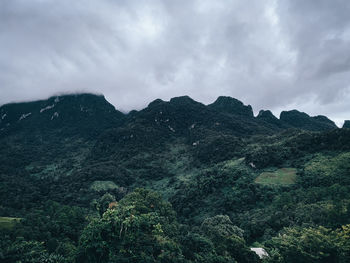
[8, 222]
[282, 176]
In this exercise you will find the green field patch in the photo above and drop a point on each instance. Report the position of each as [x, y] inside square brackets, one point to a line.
[99, 186]
[8, 222]
[282, 176]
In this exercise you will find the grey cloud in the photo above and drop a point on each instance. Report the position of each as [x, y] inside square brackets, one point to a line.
[271, 54]
[319, 32]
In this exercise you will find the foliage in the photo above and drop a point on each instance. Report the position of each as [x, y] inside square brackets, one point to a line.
[227, 238]
[212, 164]
[103, 203]
[283, 176]
[8, 222]
[316, 244]
[220, 226]
[140, 229]
[326, 170]
[100, 186]
[51, 232]
[343, 241]
[29, 252]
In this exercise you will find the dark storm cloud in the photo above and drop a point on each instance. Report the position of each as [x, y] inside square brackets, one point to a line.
[271, 54]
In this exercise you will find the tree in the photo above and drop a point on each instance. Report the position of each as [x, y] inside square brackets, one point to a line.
[343, 239]
[29, 252]
[228, 239]
[141, 228]
[220, 226]
[306, 245]
[103, 203]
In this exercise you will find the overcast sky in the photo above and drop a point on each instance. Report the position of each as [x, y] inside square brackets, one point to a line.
[276, 55]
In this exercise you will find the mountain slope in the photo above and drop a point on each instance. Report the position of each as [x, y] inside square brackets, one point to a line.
[86, 114]
[303, 121]
[230, 177]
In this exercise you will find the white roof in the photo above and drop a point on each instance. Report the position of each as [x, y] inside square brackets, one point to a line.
[259, 251]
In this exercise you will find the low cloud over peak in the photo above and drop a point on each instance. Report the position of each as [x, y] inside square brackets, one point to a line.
[271, 54]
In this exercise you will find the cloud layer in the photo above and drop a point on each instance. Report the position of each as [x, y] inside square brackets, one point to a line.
[271, 54]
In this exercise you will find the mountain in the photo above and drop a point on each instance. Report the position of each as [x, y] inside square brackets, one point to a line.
[73, 174]
[48, 139]
[303, 121]
[91, 114]
[86, 114]
[182, 115]
[84, 136]
[267, 117]
[346, 124]
[231, 106]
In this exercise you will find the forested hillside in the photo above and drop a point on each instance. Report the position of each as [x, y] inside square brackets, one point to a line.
[178, 181]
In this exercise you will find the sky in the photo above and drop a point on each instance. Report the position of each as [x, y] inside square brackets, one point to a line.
[277, 55]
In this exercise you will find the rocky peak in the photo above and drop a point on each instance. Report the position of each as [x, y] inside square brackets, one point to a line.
[231, 106]
[267, 116]
[184, 101]
[155, 103]
[302, 120]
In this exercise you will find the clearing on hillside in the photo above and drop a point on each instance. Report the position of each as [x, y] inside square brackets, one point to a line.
[8, 222]
[283, 176]
[99, 186]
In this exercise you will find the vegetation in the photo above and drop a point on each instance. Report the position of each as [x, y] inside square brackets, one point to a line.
[8, 222]
[176, 182]
[282, 176]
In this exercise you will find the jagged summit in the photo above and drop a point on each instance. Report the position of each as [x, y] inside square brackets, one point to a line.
[154, 103]
[183, 100]
[83, 112]
[231, 106]
[267, 116]
[302, 120]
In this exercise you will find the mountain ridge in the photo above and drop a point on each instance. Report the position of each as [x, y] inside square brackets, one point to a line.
[228, 108]
[217, 167]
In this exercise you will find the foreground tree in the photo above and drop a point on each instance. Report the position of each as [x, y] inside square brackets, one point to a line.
[343, 241]
[29, 252]
[305, 245]
[141, 228]
[228, 239]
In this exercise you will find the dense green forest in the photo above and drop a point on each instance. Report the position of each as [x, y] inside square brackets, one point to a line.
[178, 181]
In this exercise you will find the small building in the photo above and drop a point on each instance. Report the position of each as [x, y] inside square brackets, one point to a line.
[259, 251]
